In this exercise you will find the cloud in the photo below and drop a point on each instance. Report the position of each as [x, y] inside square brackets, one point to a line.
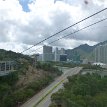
[46, 18]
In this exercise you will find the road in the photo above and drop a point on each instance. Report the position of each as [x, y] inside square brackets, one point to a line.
[42, 99]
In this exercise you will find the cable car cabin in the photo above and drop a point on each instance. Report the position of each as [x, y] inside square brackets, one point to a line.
[6, 67]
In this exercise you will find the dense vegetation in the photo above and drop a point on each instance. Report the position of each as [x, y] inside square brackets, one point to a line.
[88, 90]
[64, 64]
[10, 94]
[10, 55]
[48, 67]
[89, 66]
[7, 86]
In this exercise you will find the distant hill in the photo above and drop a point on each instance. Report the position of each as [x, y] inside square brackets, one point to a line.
[84, 47]
[101, 43]
[83, 50]
[10, 55]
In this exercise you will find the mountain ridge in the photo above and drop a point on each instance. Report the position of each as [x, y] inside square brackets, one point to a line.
[83, 50]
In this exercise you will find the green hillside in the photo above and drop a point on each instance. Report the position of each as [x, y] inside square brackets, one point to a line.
[28, 79]
[88, 90]
[10, 55]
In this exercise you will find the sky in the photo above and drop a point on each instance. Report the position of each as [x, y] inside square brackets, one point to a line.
[24, 23]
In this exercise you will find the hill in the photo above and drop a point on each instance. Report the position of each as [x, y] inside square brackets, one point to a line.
[28, 79]
[101, 43]
[83, 51]
[10, 55]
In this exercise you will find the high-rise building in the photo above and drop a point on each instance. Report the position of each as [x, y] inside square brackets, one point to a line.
[62, 51]
[63, 57]
[47, 49]
[100, 53]
[47, 53]
[60, 55]
[57, 55]
[105, 53]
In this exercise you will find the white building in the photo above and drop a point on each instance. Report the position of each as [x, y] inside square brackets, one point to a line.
[57, 55]
[100, 53]
[60, 55]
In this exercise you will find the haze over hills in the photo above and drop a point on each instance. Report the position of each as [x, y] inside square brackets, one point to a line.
[101, 43]
[83, 50]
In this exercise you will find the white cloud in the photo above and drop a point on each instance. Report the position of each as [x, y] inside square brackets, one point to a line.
[20, 29]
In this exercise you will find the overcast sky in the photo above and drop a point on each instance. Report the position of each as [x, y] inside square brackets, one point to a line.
[24, 23]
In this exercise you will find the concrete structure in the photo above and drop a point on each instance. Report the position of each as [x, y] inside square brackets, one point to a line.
[57, 55]
[62, 51]
[48, 57]
[37, 57]
[6, 67]
[47, 53]
[47, 49]
[60, 55]
[40, 57]
[63, 57]
[100, 54]
[85, 61]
